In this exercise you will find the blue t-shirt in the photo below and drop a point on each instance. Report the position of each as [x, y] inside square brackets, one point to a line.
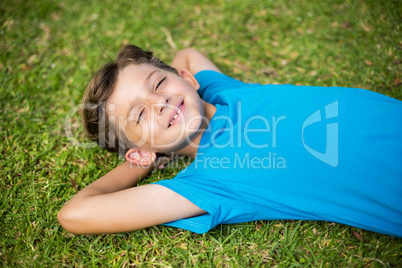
[295, 152]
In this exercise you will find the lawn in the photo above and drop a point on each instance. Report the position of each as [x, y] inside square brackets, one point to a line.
[48, 51]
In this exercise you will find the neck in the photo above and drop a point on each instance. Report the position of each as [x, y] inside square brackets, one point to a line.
[191, 149]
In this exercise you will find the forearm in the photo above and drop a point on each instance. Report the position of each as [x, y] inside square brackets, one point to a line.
[75, 211]
[122, 177]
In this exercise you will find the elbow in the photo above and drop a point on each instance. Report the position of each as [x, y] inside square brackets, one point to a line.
[187, 53]
[187, 50]
[70, 220]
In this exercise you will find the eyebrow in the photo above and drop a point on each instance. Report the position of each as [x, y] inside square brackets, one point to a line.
[149, 76]
[132, 104]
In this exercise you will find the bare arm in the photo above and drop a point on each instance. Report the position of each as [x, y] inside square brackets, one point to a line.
[193, 61]
[108, 205]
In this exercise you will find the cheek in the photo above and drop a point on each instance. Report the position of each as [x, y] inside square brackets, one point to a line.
[151, 133]
[138, 134]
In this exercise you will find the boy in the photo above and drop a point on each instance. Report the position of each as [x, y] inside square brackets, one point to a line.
[260, 152]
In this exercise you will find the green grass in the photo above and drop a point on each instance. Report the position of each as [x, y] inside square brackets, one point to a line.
[48, 51]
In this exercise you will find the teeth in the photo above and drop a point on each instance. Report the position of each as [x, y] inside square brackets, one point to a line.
[175, 116]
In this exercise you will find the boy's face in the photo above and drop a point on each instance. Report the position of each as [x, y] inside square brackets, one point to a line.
[157, 110]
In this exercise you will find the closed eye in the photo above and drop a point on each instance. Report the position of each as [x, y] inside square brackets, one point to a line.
[139, 116]
[160, 82]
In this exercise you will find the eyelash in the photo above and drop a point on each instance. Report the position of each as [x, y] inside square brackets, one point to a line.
[139, 116]
[160, 82]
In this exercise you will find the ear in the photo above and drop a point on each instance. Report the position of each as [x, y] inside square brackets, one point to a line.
[186, 75]
[140, 157]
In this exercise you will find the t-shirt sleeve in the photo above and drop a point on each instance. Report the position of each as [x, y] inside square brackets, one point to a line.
[213, 83]
[221, 203]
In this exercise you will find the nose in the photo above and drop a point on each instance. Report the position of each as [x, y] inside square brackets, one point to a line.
[161, 103]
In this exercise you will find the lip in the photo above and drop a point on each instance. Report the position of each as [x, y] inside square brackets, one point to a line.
[174, 112]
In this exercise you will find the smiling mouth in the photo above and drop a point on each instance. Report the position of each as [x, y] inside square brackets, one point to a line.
[176, 115]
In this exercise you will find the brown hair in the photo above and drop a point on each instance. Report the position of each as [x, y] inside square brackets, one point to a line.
[96, 123]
